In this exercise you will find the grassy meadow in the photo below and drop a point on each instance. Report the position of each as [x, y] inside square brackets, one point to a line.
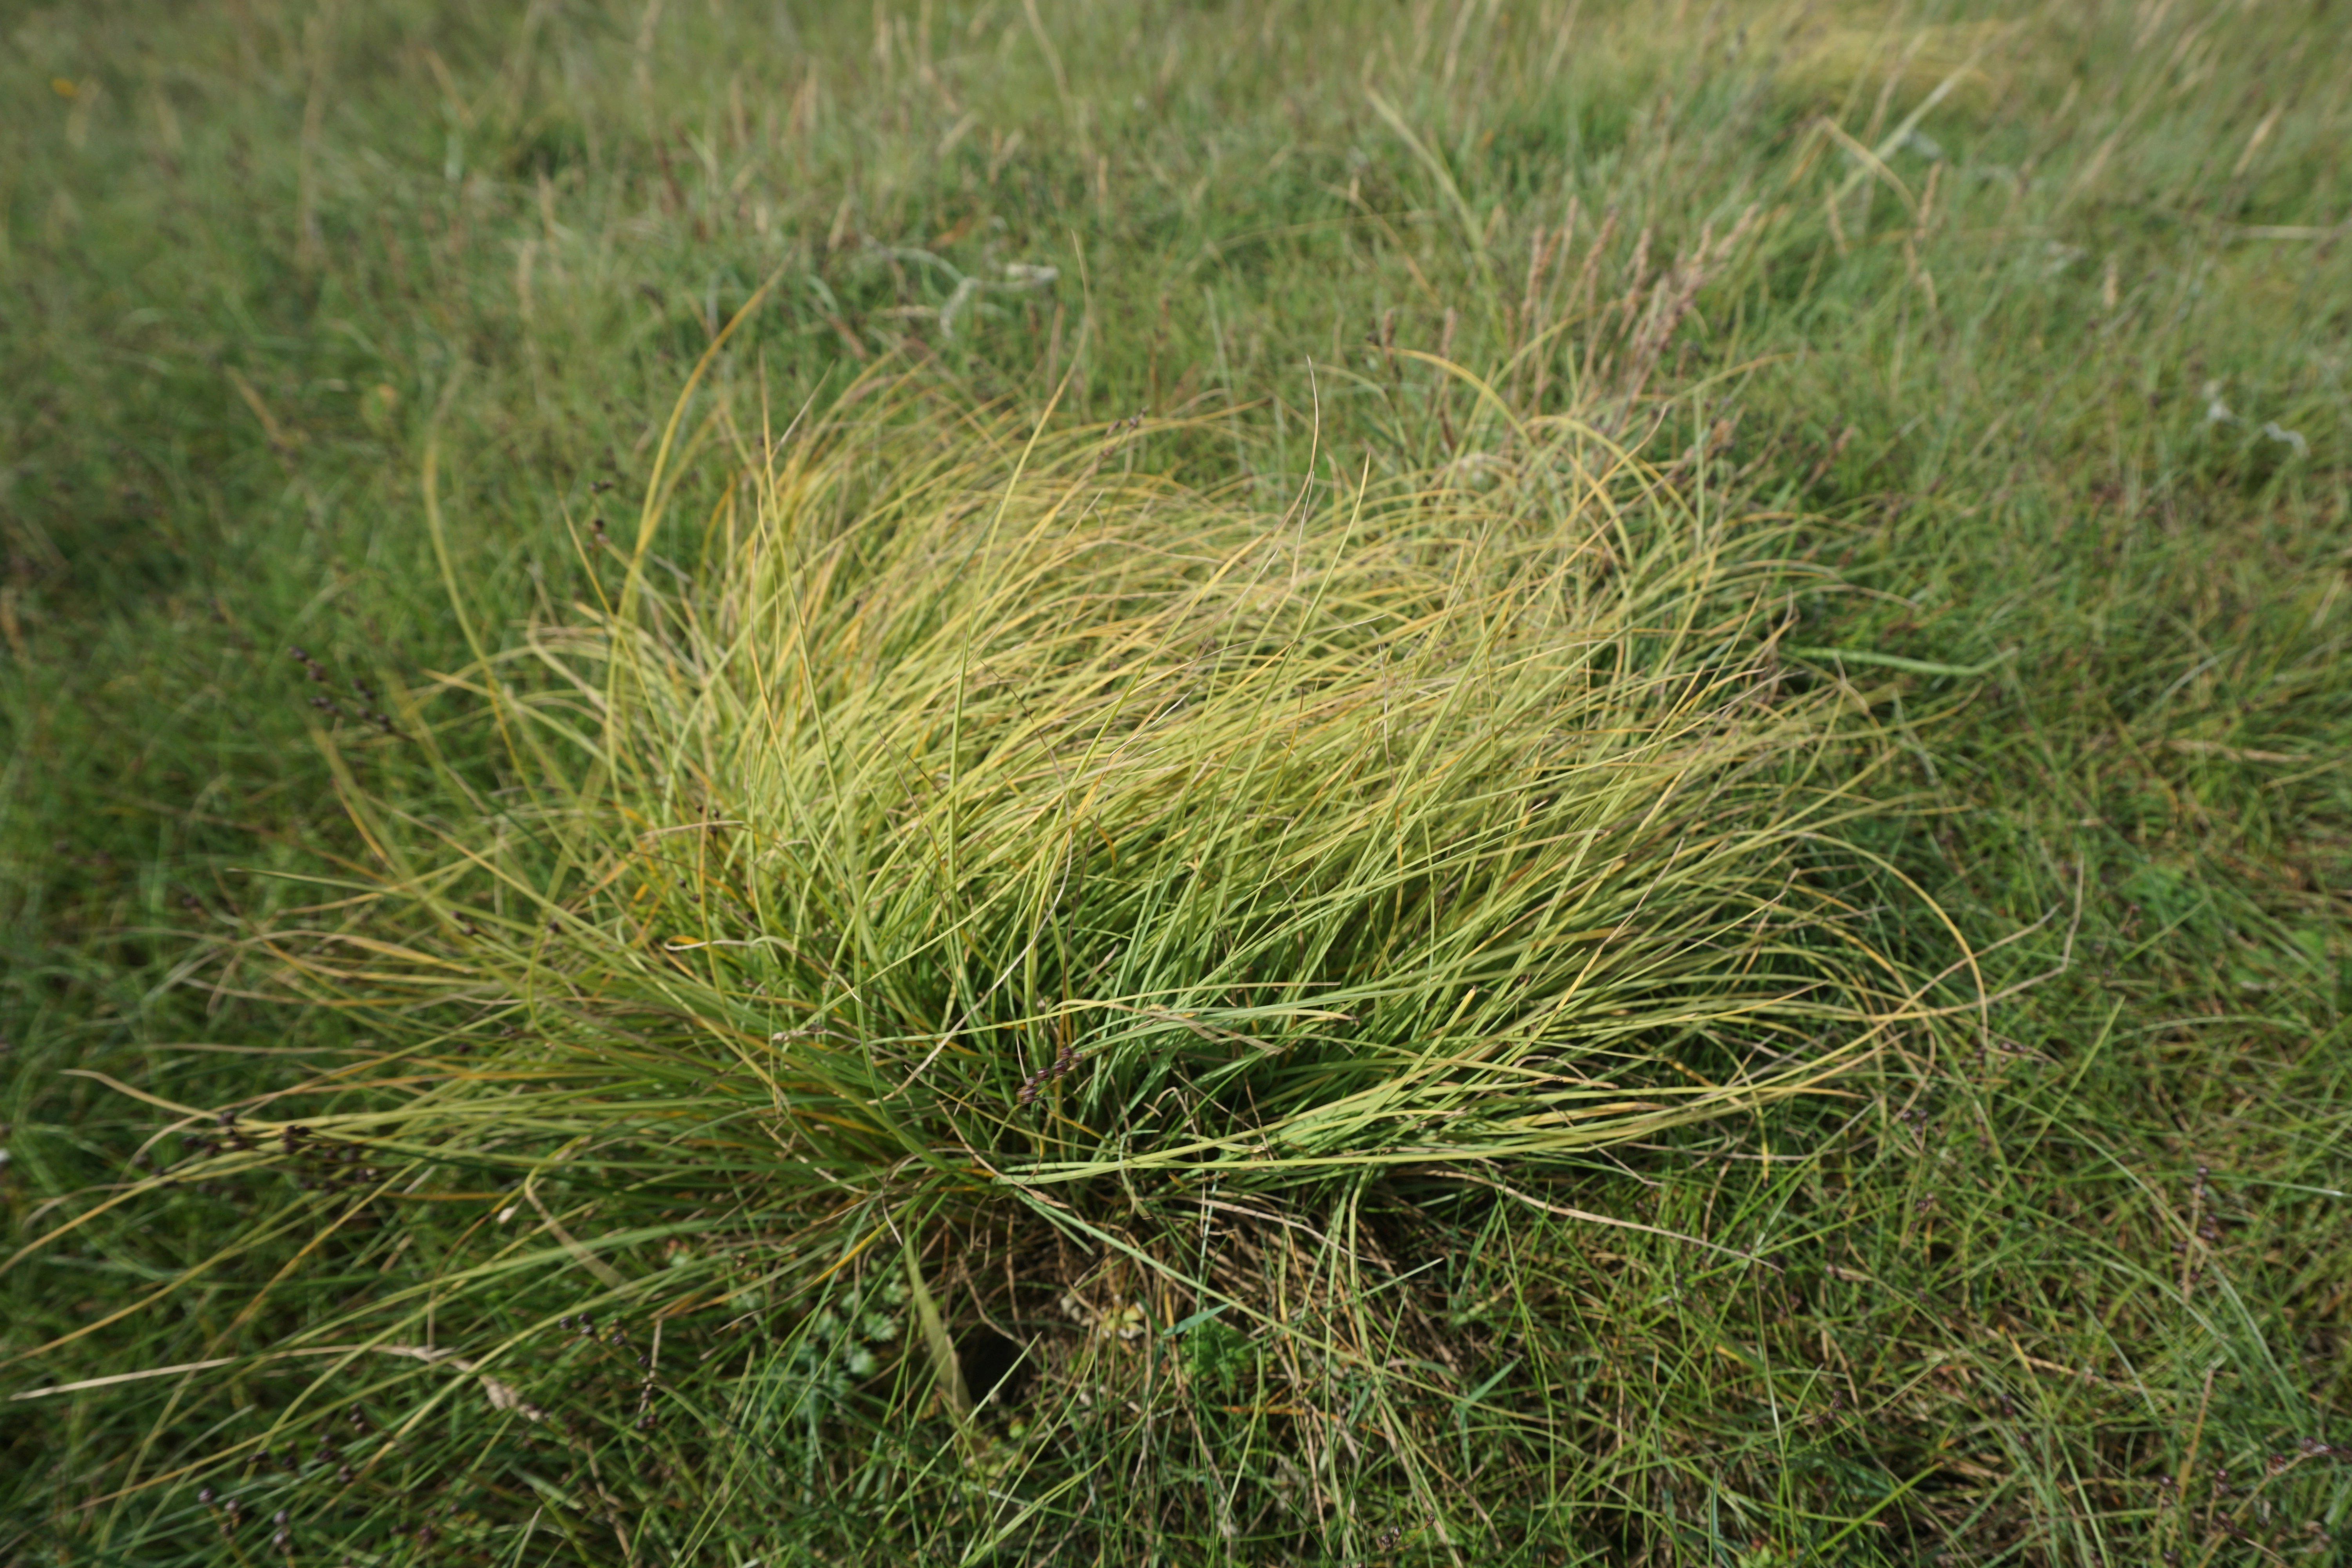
[1519, 782]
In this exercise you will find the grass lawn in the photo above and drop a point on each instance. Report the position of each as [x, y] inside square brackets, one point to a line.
[1528, 781]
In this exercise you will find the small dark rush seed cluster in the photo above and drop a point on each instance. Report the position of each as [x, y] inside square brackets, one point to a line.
[613, 1338]
[1061, 1066]
[319, 1163]
[362, 711]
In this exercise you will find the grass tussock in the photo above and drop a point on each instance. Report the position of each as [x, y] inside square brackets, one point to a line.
[984, 800]
[997, 855]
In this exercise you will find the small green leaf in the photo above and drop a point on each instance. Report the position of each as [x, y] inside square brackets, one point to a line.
[1194, 1321]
